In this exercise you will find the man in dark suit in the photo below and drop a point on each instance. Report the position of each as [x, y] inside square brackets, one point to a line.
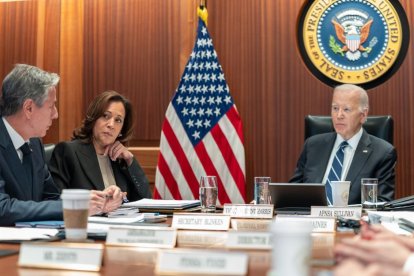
[27, 106]
[365, 156]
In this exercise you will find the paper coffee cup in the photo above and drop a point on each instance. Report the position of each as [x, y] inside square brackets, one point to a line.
[75, 213]
[292, 247]
[340, 193]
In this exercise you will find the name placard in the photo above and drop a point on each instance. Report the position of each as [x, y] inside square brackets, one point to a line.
[159, 237]
[251, 224]
[201, 221]
[353, 212]
[264, 211]
[204, 239]
[72, 256]
[249, 240]
[202, 262]
[319, 224]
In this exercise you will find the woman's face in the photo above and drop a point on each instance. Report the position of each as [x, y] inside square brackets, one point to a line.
[109, 125]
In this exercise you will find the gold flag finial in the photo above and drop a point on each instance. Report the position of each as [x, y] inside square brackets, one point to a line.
[202, 12]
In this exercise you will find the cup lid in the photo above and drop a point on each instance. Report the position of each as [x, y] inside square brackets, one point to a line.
[75, 194]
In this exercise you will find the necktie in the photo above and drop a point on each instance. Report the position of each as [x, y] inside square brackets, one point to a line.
[336, 170]
[27, 162]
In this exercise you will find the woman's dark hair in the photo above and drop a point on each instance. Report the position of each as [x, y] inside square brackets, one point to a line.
[97, 109]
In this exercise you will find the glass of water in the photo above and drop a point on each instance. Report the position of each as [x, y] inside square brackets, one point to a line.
[208, 194]
[261, 190]
[369, 192]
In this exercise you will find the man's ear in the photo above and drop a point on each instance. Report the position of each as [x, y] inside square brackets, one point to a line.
[28, 107]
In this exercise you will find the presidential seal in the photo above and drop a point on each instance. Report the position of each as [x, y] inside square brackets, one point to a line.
[353, 41]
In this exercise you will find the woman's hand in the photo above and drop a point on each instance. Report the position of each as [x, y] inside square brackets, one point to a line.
[118, 150]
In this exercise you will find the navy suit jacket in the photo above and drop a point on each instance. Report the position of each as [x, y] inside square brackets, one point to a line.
[373, 158]
[20, 200]
[74, 165]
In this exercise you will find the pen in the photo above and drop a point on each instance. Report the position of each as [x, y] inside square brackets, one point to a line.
[405, 227]
[125, 199]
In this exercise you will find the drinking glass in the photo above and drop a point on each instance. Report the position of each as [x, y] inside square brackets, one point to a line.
[208, 194]
[369, 192]
[261, 190]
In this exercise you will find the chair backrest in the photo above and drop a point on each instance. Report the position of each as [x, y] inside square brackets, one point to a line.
[48, 151]
[379, 126]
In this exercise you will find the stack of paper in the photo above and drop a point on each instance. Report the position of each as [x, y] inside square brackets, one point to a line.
[124, 212]
[26, 234]
[138, 217]
[163, 205]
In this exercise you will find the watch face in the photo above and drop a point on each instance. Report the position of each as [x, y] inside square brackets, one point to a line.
[353, 41]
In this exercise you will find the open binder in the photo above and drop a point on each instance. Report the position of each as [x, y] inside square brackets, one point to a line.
[401, 204]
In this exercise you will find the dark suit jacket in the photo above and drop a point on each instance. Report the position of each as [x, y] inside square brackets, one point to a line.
[20, 200]
[373, 157]
[74, 165]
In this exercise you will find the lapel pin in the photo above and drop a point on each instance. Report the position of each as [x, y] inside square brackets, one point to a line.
[365, 151]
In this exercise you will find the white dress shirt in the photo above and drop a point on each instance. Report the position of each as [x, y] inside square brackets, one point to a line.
[349, 152]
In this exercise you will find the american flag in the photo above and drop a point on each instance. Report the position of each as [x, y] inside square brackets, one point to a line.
[202, 132]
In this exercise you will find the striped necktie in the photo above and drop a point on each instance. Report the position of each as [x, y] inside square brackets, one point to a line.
[336, 170]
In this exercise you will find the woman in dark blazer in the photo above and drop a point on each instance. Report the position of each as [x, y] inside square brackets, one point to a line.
[97, 158]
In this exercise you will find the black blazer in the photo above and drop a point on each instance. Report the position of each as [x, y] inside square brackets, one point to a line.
[373, 157]
[20, 200]
[74, 165]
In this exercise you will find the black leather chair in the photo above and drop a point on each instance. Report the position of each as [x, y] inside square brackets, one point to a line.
[48, 151]
[379, 126]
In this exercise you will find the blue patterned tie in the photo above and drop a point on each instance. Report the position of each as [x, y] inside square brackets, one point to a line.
[336, 170]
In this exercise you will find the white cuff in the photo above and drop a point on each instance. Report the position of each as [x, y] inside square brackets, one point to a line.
[409, 265]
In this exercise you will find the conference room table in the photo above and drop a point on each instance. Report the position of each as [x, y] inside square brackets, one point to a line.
[142, 261]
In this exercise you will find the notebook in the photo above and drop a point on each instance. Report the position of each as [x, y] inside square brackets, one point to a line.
[297, 198]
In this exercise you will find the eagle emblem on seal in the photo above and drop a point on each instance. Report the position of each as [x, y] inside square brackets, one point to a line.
[352, 29]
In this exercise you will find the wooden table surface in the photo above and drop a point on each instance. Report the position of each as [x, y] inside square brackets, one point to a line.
[142, 261]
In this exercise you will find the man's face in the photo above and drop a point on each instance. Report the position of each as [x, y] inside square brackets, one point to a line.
[346, 115]
[43, 116]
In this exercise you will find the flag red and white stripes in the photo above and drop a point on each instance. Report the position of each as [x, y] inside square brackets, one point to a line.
[202, 132]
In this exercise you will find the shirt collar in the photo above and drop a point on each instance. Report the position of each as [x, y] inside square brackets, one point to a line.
[353, 142]
[17, 140]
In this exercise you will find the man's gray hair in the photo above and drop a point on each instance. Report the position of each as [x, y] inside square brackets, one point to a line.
[25, 82]
[363, 96]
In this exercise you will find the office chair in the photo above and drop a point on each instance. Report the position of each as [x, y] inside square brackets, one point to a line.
[379, 126]
[48, 151]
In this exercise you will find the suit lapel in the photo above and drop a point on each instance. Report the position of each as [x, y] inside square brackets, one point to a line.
[120, 179]
[324, 153]
[361, 155]
[14, 163]
[89, 162]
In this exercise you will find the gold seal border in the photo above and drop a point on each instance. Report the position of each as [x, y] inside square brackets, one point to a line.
[393, 47]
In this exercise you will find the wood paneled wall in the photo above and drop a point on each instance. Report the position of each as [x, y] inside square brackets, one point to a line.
[140, 47]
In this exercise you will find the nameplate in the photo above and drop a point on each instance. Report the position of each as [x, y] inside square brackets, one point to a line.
[354, 212]
[204, 239]
[251, 224]
[202, 262]
[159, 237]
[264, 211]
[60, 255]
[319, 224]
[201, 221]
[249, 240]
